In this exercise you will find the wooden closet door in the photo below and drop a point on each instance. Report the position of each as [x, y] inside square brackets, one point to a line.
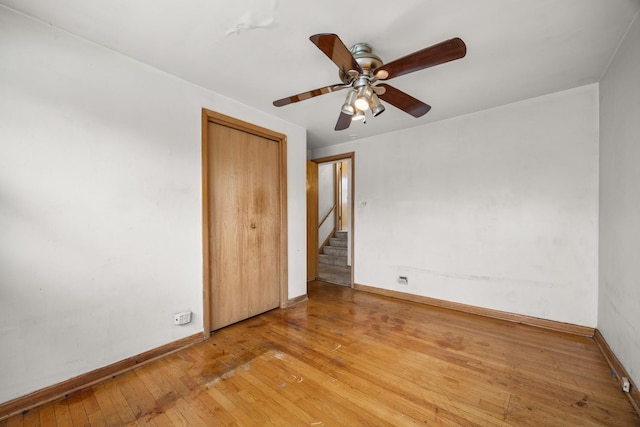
[244, 218]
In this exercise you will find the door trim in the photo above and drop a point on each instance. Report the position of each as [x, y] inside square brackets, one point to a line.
[209, 116]
[312, 220]
[343, 157]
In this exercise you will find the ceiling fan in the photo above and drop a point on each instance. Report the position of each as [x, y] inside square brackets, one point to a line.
[360, 70]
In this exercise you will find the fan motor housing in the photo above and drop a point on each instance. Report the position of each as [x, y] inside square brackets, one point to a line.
[367, 60]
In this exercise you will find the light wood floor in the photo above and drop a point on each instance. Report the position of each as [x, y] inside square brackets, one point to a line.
[349, 358]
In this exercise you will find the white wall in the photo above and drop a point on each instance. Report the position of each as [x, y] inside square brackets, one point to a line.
[497, 209]
[619, 302]
[326, 200]
[100, 204]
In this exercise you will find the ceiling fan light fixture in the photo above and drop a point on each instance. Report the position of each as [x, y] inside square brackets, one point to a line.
[362, 104]
[364, 95]
[359, 115]
[359, 69]
[376, 106]
[349, 103]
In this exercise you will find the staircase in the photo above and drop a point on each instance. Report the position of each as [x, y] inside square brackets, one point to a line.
[335, 252]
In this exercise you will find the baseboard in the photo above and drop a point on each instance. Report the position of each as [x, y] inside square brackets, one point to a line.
[618, 370]
[297, 300]
[486, 312]
[89, 379]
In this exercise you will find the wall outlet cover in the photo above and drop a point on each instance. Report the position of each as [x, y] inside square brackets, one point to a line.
[182, 318]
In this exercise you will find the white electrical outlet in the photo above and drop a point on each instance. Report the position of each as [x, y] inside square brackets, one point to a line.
[403, 280]
[626, 386]
[182, 318]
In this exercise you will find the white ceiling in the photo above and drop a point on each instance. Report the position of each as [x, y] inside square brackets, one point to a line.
[256, 51]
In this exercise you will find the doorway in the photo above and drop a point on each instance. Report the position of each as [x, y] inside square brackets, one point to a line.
[331, 229]
[244, 220]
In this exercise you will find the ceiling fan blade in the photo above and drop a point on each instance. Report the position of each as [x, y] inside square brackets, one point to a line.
[404, 102]
[306, 95]
[344, 120]
[332, 46]
[440, 53]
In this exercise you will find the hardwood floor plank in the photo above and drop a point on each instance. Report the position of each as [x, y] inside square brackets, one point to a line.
[154, 411]
[91, 406]
[205, 400]
[168, 387]
[32, 418]
[312, 389]
[247, 396]
[239, 417]
[417, 397]
[163, 397]
[268, 389]
[137, 396]
[78, 414]
[192, 417]
[96, 419]
[107, 406]
[16, 421]
[63, 416]
[355, 399]
[120, 402]
[347, 357]
[176, 418]
[48, 415]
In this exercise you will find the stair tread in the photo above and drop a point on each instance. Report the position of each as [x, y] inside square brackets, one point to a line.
[338, 242]
[332, 259]
[335, 251]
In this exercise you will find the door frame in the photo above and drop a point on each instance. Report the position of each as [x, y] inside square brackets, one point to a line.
[344, 157]
[209, 116]
[312, 220]
[340, 212]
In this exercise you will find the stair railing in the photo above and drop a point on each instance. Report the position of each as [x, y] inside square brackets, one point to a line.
[333, 208]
